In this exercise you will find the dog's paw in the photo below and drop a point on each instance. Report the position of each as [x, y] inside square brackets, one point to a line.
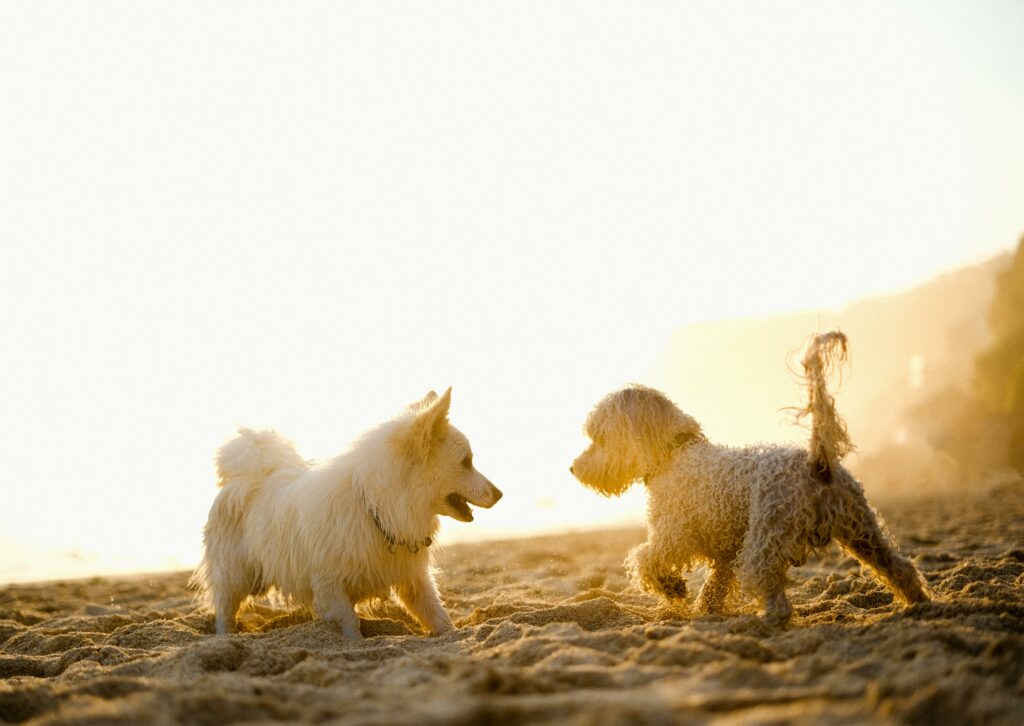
[350, 632]
[672, 586]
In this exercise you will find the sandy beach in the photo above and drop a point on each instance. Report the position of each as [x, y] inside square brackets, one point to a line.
[551, 632]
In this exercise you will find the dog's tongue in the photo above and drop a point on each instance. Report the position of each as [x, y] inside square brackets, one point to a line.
[460, 505]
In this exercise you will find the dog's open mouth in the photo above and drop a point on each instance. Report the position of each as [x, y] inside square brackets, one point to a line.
[460, 505]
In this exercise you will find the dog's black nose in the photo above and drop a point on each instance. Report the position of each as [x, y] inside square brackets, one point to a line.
[570, 469]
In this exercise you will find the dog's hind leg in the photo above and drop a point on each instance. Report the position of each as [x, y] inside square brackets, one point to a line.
[331, 602]
[771, 591]
[420, 598]
[762, 565]
[716, 588]
[860, 534]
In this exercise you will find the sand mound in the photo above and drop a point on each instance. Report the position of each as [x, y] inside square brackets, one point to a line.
[550, 631]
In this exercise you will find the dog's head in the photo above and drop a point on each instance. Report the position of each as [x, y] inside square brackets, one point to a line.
[442, 460]
[634, 432]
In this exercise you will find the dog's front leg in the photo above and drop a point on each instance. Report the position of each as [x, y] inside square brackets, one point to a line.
[333, 603]
[649, 569]
[716, 588]
[420, 598]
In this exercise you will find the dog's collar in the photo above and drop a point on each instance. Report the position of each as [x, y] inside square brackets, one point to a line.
[393, 542]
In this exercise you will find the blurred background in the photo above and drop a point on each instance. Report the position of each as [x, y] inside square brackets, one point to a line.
[306, 216]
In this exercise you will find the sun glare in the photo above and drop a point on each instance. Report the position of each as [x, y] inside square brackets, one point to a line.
[200, 234]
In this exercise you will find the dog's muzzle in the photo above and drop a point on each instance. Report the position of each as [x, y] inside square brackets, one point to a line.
[460, 504]
[494, 495]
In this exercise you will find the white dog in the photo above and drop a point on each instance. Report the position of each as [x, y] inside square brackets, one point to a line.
[748, 512]
[354, 528]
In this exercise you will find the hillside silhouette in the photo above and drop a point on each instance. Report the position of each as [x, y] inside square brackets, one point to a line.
[912, 357]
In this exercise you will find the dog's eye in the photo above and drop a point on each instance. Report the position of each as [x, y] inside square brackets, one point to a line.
[468, 461]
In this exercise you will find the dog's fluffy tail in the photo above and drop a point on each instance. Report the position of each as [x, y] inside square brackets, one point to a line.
[830, 441]
[254, 455]
[243, 462]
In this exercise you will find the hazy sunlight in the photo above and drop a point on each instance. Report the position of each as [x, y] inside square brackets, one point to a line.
[218, 215]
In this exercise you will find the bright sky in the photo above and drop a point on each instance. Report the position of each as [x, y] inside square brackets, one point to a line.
[305, 215]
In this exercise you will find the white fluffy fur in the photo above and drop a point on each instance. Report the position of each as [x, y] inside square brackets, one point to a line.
[748, 513]
[308, 530]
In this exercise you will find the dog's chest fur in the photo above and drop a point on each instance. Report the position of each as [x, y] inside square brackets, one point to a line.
[384, 571]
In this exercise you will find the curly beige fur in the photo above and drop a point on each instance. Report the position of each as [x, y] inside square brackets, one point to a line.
[830, 441]
[748, 513]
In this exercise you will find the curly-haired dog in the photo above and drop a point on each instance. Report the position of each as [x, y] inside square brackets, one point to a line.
[354, 528]
[748, 513]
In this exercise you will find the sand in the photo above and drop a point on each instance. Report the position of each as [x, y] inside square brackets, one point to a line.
[550, 631]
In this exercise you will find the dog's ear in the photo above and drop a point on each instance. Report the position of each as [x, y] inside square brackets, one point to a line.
[423, 402]
[686, 430]
[431, 422]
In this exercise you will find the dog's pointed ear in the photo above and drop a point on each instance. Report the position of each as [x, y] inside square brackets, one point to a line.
[431, 422]
[423, 402]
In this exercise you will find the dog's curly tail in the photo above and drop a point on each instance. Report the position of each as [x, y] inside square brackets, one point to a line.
[254, 455]
[830, 441]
